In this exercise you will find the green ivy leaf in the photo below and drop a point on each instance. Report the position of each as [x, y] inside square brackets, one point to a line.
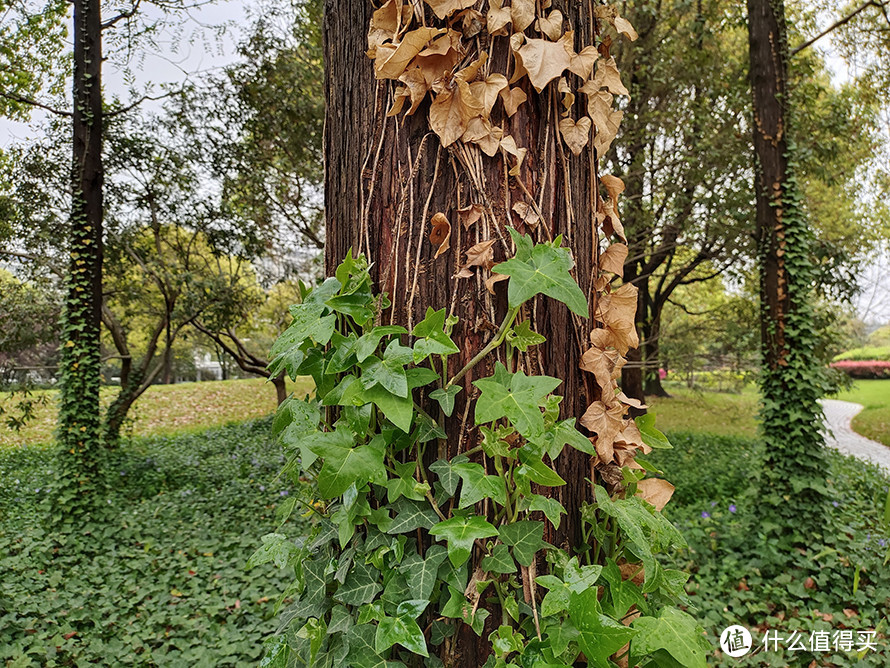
[276, 548]
[448, 477]
[343, 464]
[499, 561]
[458, 607]
[446, 398]
[412, 515]
[598, 635]
[361, 586]
[432, 337]
[651, 436]
[505, 641]
[675, 632]
[461, 533]
[421, 573]
[522, 337]
[551, 508]
[541, 269]
[575, 580]
[526, 537]
[404, 483]
[399, 410]
[362, 652]
[389, 371]
[402, 629]
[520, 401]
[368, 343]
[478, 486]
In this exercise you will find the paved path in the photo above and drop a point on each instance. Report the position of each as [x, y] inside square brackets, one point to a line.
[838, 415]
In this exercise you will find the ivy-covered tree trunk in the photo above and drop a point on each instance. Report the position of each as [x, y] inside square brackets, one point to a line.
[791, 379]
[79, 414]
[451, 485]
[387, 177]
[385, 180]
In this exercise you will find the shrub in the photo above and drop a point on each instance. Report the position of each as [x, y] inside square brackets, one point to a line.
[863, 369]
[865, 354]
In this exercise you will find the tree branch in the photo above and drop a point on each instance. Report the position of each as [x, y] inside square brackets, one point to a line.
[837, 24]
[15, 97]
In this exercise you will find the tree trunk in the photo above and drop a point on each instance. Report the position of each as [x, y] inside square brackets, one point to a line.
[384, 180]
[650, 346]
[79, 412]
[280, 388]
[769, 72]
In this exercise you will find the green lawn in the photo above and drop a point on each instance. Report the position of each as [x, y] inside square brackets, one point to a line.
[874, 420]
[707, 412]
[168, 409]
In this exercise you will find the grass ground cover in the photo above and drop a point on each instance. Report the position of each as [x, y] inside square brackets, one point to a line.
[168, 409]
[841, 581]
[703, 411]
[164, 582]
[874, 420]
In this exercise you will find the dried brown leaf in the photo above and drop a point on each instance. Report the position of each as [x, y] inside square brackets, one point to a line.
[607, 76]
[612, 260]
[656, 491]
[392, 60]
[605, 119]
[486, 136]
[470, 215]
[492, 280]
[543, 61]
[451, 112]
[604, 363]
[445, 8]
[440, 235]
[498, 17]
[606, 422]
[398, 102]
[617, 311]
[418, 87]
[613, 185]
[623, 26]
[523, 14]
[611, 221]
[527, 214]
[512, 98]
[471, 23]
[508, 144]
[576, 135]
[552, 25]
[480, 255]
[487, 91]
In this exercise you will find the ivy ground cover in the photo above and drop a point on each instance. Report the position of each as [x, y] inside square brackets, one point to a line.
[841, 581]
[165, 583]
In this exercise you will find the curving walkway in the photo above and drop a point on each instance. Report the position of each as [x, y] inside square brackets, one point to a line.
[840, 435]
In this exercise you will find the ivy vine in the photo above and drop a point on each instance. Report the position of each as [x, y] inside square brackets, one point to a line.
[382, 576]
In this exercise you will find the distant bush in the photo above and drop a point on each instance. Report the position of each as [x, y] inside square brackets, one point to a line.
[864, 369]
[865, 354]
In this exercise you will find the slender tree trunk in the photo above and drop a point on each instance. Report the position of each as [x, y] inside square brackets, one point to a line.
[386, 177]
[790, 379]
[280, 388]
[652, 356]
[769, 73]
[79, 412]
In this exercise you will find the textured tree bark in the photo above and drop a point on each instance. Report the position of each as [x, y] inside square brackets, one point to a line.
[769, 72]
[386, 177]
[79, 413]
